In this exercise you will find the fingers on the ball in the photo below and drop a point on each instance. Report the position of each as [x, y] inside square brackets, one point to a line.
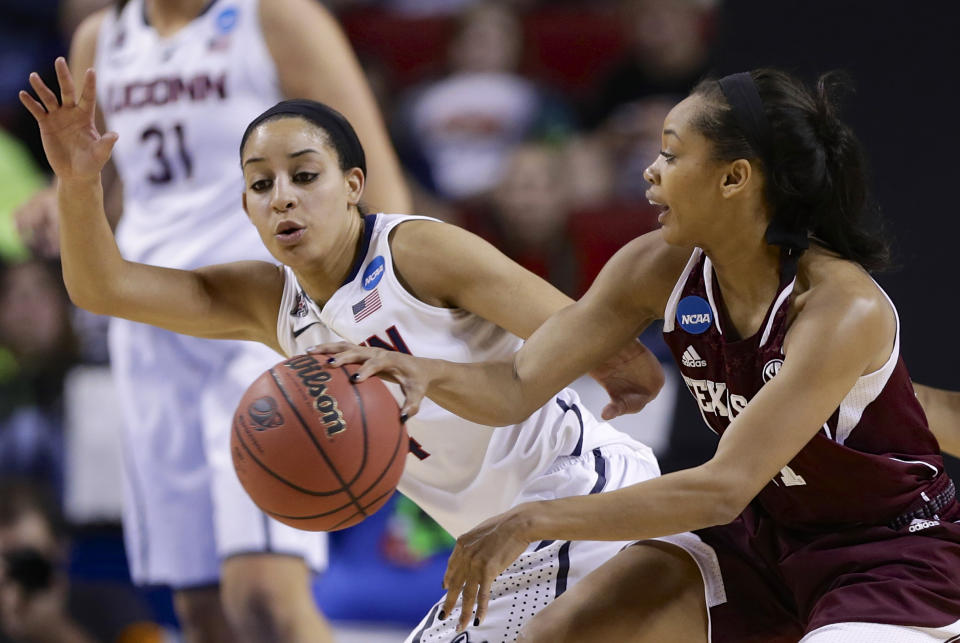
[411, 405]
[44, 93]
[35, 108]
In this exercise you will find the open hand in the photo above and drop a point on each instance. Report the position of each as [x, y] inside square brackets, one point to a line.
[632, 378]
[38, 223]
[390, 365]
[479, 556]
[74, 147]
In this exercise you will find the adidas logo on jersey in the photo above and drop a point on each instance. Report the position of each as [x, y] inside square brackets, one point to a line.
[692, 359]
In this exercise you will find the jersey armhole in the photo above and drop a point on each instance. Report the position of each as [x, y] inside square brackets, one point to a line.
[287, 302]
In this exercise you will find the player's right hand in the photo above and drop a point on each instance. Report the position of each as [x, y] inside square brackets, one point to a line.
[75, 149]
[38, 224]
[392, 366]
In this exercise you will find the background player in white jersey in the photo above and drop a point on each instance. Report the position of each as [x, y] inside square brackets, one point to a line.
[415, 285]
[179, 81]
[943, 413]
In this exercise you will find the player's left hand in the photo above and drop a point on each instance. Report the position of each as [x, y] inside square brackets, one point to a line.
[75, 149]
[478, 558]
[632, 378]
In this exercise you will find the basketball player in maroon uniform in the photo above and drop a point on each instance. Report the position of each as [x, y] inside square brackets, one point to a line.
[826, 501]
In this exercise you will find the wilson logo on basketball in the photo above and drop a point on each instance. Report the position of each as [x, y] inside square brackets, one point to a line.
[264, 414]
[314, 377]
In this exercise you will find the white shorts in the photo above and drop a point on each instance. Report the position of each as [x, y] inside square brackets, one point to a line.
[547, 569]
[184, 509]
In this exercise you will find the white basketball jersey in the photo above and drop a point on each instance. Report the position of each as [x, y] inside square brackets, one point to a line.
[180, 105]
[458, 471]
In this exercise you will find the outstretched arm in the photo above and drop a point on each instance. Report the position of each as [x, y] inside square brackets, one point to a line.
[943, 413]
[230, 301]
[829, 346]
[38, 219]
[627, 296]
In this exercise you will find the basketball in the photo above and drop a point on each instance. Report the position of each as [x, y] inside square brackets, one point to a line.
[315, 450]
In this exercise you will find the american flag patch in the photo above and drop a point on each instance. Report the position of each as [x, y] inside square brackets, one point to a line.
[366, 306]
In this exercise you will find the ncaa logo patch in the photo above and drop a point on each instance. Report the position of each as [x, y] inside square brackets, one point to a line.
[227, 19]
[694, 314]
[373, 274]
[771, 368]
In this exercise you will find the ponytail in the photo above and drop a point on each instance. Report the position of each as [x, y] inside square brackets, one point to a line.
[815, 170]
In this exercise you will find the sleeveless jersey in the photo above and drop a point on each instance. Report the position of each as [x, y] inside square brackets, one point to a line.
[873, 462]
[180, 105]
[458, 471]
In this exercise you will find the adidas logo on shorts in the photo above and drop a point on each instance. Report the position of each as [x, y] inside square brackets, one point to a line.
[918, 524]
[692, 359]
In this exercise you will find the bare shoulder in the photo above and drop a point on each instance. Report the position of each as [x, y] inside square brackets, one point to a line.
[83, 45]
[433, 258]
[643, 272]
[838, 298]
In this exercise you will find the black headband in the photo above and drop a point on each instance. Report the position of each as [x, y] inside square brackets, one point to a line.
[744, 99]
[342, 136]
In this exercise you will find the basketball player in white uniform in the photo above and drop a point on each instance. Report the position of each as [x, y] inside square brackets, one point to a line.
[459, 471]
[406, 283]
[179, 81]
[943, 413]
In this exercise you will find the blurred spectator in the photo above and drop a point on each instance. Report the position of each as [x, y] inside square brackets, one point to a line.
[20, 179]
[409, 7]
[668, 51]
[30, 37]
[39, 348]
[38, 602]
[527, 213]
[588, 172]
[631, 135]
[455, 133]
[605, 189]
[419, 8]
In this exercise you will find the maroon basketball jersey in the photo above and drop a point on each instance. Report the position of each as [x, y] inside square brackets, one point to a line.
[873, 462]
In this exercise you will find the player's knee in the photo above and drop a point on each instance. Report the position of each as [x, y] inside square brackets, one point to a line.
[260, 608]
[256, 611]
[200, 615]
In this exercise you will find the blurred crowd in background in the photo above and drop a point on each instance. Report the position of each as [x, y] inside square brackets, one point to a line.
[528, 122]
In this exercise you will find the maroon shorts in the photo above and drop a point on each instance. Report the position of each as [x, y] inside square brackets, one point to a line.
[781, 584]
